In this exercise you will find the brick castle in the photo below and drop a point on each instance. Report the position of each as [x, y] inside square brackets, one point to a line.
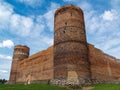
[70, 59]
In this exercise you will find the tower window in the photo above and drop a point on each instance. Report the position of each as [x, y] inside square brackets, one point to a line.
[65, 23]
[71, 14]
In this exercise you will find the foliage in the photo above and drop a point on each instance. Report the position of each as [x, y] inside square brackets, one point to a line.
[3, 81]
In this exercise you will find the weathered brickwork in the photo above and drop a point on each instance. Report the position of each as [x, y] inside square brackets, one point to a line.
[70, 46]
[20, 53]
[71, 60]
[103, 66]
[37, 67]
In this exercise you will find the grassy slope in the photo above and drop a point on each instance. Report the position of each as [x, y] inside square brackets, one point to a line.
[31, 87]
[107, 87]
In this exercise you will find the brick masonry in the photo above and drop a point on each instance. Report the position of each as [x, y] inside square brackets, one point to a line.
[70, 60]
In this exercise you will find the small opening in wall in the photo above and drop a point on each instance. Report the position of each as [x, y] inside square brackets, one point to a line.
[65, 23]
[71, 14]
[63, 31]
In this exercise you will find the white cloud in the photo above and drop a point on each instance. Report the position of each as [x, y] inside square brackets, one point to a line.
[102, 23]
[109, 43]
[48, 17]
[32, 3]
[84, 5]
[17, 24]
[109, 15]
[3, 71]
[7, 43]
[22, 24]
[4, 57]
[47, 40]
[5, 65]
[103, 28]
[71, 0]
[5, 13]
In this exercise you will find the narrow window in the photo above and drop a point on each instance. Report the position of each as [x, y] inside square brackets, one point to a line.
[71, 14]
[65, 23]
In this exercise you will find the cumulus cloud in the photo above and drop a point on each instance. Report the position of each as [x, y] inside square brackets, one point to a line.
[5, 57]
[17, 24]
[32, 3]
[109, 15]
[5, 13]
[7, 43]
[31, 29]
[103, 29]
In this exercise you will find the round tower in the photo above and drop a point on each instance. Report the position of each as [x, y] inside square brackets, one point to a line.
[70, 45]
[20, 53]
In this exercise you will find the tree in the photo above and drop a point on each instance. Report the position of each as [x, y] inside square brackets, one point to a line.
[3, 81]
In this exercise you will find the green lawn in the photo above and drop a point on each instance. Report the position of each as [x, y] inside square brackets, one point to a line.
[107, 87]
[42, 86]
[30, 87]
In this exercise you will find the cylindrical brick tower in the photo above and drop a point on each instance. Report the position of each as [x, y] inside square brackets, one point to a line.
[20, 53]
[70, 45]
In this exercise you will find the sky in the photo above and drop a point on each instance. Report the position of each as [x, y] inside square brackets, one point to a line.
[31, 22]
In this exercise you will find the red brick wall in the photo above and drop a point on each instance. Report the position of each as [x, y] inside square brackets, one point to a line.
[70, 46]
[39, 66]
[103, 66]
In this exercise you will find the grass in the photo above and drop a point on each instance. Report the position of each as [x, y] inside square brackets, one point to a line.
[107, 87]
[31, 87]
[42, 86]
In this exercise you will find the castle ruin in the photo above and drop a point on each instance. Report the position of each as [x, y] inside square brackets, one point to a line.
[70, 59]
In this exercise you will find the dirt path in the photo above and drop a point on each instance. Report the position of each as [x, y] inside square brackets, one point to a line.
[88, 88]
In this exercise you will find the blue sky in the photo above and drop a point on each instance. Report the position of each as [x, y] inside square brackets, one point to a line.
[30, 22]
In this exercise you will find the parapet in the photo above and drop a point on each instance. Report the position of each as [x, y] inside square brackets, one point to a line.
[64, 8]
[21, 52]
[25, 48]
